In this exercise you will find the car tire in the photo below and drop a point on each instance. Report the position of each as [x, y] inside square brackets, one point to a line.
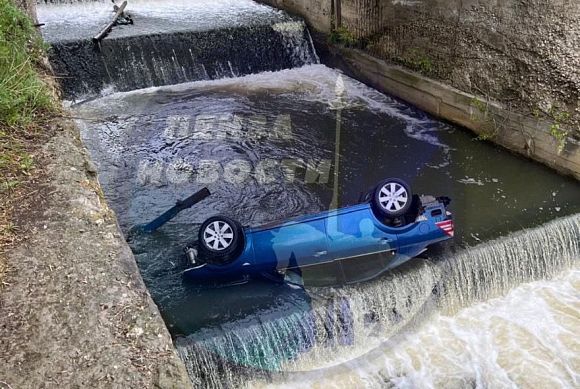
[221, 240]
[392, 198]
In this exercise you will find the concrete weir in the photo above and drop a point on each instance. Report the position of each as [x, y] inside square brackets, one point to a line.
[76, 312]
[169, 44]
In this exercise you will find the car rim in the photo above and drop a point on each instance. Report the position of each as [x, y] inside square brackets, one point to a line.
[218, 235]
[393, 197]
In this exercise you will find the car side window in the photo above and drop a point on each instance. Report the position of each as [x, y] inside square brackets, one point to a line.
[358, 269]
[326, 274]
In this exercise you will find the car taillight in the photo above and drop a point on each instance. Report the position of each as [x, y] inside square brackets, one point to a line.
[446, 226]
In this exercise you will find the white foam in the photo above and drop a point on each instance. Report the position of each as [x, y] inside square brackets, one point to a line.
[80, 12]
[313, 83]
[82, 20]
[526, 339]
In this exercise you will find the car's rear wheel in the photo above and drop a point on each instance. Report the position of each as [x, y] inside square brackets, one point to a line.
[392, 198]
[221, 240]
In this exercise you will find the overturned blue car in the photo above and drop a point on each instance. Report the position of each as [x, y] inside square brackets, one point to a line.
[390, 224]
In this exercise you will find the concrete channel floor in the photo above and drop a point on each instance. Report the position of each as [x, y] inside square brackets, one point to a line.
[75, 312]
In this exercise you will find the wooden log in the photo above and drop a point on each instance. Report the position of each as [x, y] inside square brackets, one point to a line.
[109, 26]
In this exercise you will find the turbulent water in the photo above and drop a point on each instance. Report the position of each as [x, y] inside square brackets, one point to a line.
[152, 154]
[499, 308]
[373, 327]
[170, 42]
[527, 339]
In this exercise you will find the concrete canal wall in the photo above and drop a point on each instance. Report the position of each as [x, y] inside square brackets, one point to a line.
[74, 311]
[508, 70]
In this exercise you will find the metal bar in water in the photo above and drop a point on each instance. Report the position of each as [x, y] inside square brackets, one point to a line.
[180, 206]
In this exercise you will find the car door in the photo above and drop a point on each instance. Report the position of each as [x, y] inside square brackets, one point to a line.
[362, 244]
[355, 231]
[293, 244]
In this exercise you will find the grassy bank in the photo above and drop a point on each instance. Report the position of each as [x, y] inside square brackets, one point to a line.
[26, 107]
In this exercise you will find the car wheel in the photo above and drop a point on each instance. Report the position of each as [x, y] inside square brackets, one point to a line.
[392, 198]
[221, 240]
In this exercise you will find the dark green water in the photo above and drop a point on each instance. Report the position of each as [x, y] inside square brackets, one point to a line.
[258, 142]
[266, 147]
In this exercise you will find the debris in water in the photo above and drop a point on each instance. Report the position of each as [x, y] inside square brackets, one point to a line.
[470, 181]
[474, 236]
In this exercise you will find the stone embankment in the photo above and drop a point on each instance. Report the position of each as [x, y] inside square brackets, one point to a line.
[508, 70]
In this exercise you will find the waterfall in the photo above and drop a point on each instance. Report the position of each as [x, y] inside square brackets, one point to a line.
[40, 2]
[170, 44]
[297, 42]
[342, 324]
[492, 269]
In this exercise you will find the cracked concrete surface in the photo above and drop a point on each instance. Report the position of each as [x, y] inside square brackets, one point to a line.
[75, 312]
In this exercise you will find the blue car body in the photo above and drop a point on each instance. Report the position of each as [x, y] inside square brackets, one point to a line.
[344, 234]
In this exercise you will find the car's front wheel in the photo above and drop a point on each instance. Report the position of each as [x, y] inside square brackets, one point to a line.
[392, 198]
[221, 240]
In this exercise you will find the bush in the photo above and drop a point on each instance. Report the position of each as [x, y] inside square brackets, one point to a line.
[344, 37]
[22, 93]
[419, 61]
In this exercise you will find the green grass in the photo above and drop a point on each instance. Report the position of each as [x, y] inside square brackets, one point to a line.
[23, 94]
[25, 99]
[419, 61]
[26, 106]
[562, 124]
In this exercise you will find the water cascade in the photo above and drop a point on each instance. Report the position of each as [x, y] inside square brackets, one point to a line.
[178, 41]
[175, 47]
[345, 323]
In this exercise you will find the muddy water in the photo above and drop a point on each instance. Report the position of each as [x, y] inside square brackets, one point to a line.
[265, 145]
